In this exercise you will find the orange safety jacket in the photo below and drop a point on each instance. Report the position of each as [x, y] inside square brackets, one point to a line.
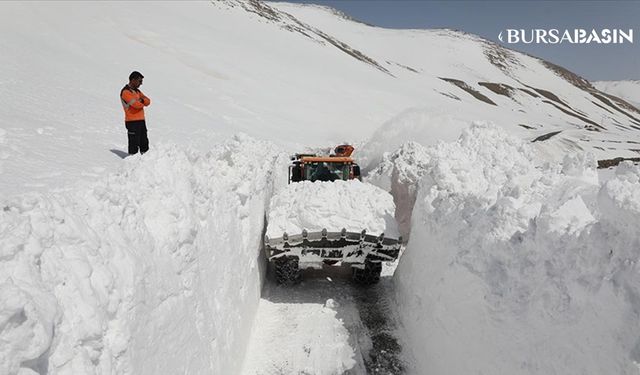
[133, 103]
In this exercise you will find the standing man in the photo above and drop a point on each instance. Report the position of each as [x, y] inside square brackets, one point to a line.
[133, 102]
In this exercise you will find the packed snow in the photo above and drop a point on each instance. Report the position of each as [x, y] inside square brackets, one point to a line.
[304, 338]
[399, 173]
[314, 206]
[325, 326]
[521, 258]
[521, 266]
[132, 274]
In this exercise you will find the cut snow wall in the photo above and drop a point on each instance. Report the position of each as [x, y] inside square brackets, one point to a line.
[517, 268]
[155, 270]
[399, 173]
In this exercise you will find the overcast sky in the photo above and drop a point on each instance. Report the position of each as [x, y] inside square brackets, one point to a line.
[488, 18]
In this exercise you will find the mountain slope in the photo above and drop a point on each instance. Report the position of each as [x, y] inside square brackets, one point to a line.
[153, 263]
[298, 75]
[463, 77]
[627, 90]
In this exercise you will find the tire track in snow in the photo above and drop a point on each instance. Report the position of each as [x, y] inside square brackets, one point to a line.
[374, 306]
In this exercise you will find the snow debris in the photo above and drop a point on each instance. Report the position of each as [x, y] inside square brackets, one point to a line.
[424, 126]
[331, 303]
[525, 268]
[313, 339]
[314, 206]
[399, 172]
[101, 277]
[408, 163]
[619, 199]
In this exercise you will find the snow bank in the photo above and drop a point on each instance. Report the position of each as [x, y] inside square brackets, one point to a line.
[399, 172]
[519, 268]
[332, 205]
[152, 270]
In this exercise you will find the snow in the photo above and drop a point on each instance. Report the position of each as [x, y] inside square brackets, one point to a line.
[306, 339]
[619, 198]
[325, 325]
[262, 78]
[521, 259]
[399, 173]
[314, 206]
[522, 266]
[101, 277]
[426, 58]
[627, 90]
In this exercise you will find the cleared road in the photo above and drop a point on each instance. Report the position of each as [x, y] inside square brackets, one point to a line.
[326, 325]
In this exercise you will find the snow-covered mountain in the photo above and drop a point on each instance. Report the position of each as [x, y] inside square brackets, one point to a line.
[152, 264]
[461, 77]
[627, 90]
[300, 75]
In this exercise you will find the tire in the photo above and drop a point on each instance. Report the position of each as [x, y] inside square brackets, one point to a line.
[287, 271]
[368, 275]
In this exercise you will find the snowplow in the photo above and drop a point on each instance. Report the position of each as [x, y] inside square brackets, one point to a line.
[326, 215]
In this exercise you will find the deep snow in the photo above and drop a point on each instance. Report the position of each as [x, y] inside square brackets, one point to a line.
[151, 270]
[153, 264]
[214, 69]
[522, 266]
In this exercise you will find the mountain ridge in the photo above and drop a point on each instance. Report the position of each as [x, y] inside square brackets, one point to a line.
[509, 61]
[297, 75]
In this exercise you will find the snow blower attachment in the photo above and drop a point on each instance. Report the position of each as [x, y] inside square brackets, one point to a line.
[329, 216]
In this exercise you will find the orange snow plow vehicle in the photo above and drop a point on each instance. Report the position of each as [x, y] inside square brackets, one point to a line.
[315, 245]
[310, 167]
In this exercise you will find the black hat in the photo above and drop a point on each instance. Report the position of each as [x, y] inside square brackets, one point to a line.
[135, 75]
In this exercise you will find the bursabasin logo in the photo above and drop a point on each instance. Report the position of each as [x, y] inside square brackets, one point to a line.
[574, 36]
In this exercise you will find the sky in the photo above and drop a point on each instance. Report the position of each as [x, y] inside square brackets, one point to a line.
[489, 18]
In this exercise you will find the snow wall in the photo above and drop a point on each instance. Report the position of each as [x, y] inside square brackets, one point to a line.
[514, 267]
[154, 270]
[399, 173]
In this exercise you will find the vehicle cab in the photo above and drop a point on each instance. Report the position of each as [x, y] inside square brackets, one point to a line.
[311, 167]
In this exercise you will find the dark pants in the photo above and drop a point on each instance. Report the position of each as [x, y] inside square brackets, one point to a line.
[137, 132]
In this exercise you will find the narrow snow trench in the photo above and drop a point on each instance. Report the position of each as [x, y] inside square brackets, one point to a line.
[325, 325]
